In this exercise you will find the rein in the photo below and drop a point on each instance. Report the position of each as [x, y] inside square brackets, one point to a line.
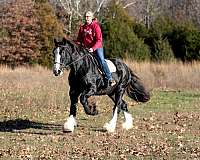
[66, 65]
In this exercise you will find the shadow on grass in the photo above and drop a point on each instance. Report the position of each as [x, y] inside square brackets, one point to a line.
[19, 125]
[30, 127]
[102, 130]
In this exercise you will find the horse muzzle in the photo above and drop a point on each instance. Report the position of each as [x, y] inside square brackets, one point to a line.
[57, 73]
[56, 70]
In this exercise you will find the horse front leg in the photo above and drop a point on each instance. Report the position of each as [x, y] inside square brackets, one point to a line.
[71, 121]
[84, 101]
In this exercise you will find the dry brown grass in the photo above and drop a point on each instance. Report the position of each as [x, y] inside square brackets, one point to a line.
[175, 75]
[34, 105]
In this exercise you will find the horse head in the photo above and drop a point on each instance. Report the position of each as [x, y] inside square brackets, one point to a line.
[62, 55]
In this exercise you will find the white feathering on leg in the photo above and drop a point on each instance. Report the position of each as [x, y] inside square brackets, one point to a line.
[128, 124]
[110, 126]
[69, 124]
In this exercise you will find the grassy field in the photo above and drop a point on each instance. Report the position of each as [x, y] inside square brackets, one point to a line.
[34, 105]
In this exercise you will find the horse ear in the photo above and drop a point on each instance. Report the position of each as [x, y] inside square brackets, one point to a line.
[55, 41]
[71, 44]
[64, 40]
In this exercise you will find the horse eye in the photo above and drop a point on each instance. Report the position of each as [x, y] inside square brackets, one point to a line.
[62, 52]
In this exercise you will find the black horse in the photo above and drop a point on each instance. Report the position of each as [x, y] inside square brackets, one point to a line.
[86, 79]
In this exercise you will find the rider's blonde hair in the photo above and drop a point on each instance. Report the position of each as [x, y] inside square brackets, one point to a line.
[89, 13]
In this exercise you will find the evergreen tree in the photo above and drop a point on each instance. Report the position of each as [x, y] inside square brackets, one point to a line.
[50, 28]
[119, 38]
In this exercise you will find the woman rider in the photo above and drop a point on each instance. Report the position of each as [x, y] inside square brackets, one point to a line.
[90, 36]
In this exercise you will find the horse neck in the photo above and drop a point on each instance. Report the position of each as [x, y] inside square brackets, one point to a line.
[81, 62]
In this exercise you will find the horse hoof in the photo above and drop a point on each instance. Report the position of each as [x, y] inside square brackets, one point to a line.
[67, 128]
[110, 128]
[69, 124]
[94, 113]
[127, 126]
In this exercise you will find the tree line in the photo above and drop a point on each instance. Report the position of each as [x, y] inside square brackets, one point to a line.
[29, 27]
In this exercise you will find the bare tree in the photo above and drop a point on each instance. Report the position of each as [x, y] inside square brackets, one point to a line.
[75, 9]
[145, 11]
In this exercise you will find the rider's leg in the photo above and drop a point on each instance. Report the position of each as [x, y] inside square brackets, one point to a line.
[100, 56]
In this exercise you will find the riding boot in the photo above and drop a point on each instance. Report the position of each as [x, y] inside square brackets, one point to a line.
[109, 82]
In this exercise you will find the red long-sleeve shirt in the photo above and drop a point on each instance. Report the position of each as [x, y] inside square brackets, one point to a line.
[90, 35]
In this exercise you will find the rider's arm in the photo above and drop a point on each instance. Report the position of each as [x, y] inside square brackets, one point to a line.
[98, 37]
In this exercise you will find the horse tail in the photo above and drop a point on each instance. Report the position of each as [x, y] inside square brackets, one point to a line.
[136, 89]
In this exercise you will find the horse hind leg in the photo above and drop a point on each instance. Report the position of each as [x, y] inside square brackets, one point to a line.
[117, 98]
[111, 125]
[128, 124]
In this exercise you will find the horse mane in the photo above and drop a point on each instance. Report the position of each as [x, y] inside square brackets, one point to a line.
[80, 50]
[75, 46]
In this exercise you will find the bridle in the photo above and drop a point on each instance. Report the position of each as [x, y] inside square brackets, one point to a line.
[63, 65]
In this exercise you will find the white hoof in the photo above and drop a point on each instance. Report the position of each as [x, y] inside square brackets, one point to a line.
[109, 127]
[127, 126]
[69, 124]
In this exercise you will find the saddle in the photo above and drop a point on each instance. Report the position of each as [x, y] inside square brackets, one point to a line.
[110, 64]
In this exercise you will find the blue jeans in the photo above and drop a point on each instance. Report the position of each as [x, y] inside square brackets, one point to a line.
[100, 57]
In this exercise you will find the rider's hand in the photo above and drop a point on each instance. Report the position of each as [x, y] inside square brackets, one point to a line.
[90, 50]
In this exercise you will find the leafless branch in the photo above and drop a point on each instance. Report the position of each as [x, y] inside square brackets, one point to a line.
[129, 5]
[99, 6]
